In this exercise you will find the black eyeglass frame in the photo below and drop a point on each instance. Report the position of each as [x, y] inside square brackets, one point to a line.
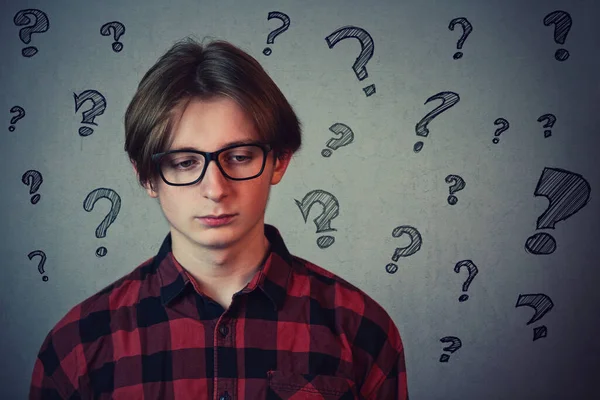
[213, 156]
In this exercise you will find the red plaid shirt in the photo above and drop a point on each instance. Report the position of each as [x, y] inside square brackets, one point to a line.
[296, 331]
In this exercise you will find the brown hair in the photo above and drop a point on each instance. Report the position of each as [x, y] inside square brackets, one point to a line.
[189, 70]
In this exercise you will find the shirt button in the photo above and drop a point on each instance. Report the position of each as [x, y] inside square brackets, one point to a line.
[225, 396]
[224, 330]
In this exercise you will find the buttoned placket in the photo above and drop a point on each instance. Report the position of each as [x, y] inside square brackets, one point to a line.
[224, 335]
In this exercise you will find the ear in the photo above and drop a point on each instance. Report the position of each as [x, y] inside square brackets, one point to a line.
[281, 164]
[148, 187]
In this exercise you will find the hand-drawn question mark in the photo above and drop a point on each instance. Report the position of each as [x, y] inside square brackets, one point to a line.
[34, 179]
[541, 304]
[331, 209]
[449, 99]
[459, 184]
[367, 48]
[271, 38]
[505, 126]
[336, 143]
[456, 344]
[88, 205]
[467, 29]
[98, 107]
[41, 263]
[415, 245]
[13, 120]
[41, 25]
[118, 29]
[472, 268]
[550, 120]
[568, 193]
[562, 25]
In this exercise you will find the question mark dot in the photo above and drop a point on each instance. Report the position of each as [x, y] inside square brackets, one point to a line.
[117, 46]
[45, 278]
[35, 199]
[457, 55]
[325, 241]
[444, 358]
[561, 54]
[101, 251]
[11, 128]
[326, 152]
[267, 51]
[29, 51]
[495, 140]
[418, 146]
[464, 297]
[540, 332]
[85, 131]
[452, 200]
[391, 268]
[547, 133]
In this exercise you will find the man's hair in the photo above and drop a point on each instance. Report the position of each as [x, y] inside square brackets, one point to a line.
[190, 70]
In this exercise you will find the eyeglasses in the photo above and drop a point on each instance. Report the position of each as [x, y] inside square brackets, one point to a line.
[237, 162]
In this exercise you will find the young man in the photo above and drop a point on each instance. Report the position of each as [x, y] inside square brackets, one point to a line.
[223, 311]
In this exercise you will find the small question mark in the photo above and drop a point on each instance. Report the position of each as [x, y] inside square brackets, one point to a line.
[34, 179]
[456, 344]
[271, 38]
[88, 205]
[98, 107]
[449, 99]
[118, 29]
[541, 304]
[505, 126]
[41, 263]
[472, 272]
[334, 144]
[467, 29]
[13, 120]
[412, 248]
[41, 25]
[562, 25]
[331, 209]
[550, 120]
[367, 48]
[459, 184]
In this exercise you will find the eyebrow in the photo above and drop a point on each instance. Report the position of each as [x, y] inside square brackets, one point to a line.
[234, 143]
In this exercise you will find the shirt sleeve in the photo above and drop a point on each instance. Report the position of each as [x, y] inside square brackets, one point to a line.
[394, 386]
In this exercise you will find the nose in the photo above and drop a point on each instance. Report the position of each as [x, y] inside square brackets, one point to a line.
[214, 184]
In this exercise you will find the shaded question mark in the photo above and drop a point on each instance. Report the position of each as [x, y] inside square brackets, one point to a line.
[562, 25]
[331, 209]
[415, 245]
[41, 25]
[467, 29]
[13, 120]
[367, 48]
[271, 37]
[336, 143]
[550, 120]
[459, 184]
[33, 179]
[456, 344]
[98, 107]
[541, 304]
[88, 205]
[118, 29]
[41, 263]
[505, 126]
[449, 99]
[472, 272]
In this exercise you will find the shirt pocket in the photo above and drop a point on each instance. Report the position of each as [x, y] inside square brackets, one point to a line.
[289, 385]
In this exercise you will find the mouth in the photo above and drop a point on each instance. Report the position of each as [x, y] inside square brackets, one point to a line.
[217, 216]
[216, 220]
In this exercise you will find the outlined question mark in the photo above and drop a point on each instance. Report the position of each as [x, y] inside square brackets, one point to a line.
[21, 113]
[467, 29]
[273, 34]
[415, 245]
[449, 99]
[562, 25]
[33, 179]
[367, 47]
[472, 272]
[118, 29]
[331, 209]
[41, 263]
[541, 303]
[98, 107]
[335, 143]
[456, 344]
[505, 126]
[88, 205]
[459, 184]
[550, 120]
[42, 24]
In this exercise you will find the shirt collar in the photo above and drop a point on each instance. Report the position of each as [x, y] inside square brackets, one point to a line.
[272, 277]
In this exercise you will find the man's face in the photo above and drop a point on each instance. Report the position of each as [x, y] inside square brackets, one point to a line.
[209, 126]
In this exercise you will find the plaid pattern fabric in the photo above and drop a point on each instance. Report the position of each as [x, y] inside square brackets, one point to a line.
[296, 331]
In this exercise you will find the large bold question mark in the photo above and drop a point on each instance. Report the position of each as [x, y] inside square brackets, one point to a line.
[98, 107]
[412, 248]
[456, 344]
[505, 126]
[367, 48]
[20, 114]
[33, 179]
[449, 99]
[41, 25]
[118, 29]
[88, 205]
[550, 120]
[467, 29]
[336, 143]
[41, 263]
[271, 37]
[472, 268]
[459, 184]
[541, 304]
[331, 209]
[562, 25]
[568, 193]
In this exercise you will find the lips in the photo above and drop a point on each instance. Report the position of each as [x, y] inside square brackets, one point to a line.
[217, 216]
